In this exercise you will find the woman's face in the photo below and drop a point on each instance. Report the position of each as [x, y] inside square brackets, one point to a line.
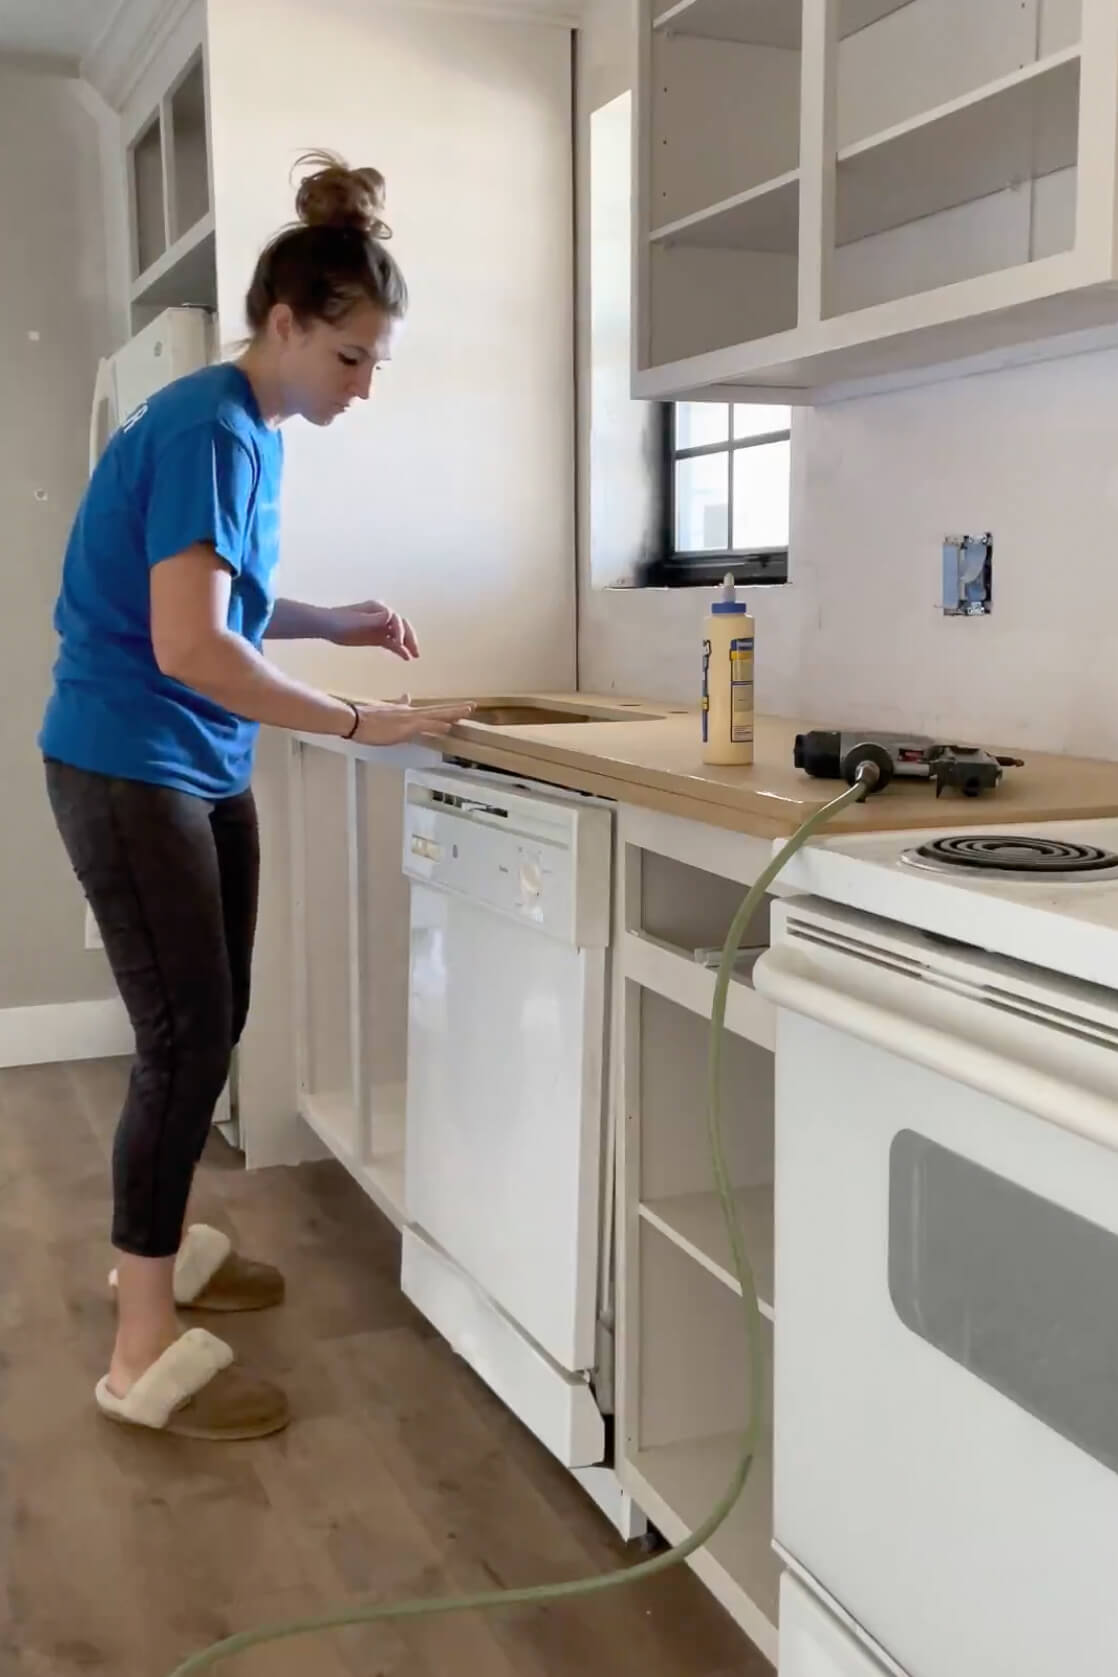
[325, 366]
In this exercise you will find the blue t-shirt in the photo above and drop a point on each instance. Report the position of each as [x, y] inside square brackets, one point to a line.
[195, 463]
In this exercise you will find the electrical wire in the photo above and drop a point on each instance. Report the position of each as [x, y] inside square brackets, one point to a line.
[547, 1594]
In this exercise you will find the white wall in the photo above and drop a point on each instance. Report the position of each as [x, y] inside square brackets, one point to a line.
[856, 635]
[55, 321]
[451, 492]
[1032, 455]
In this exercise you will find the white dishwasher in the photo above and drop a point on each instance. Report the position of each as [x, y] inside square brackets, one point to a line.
[507, 1009]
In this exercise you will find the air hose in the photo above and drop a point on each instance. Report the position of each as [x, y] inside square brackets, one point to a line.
[546, 1594]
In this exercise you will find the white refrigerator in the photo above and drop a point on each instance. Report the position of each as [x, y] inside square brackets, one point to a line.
[177, 342]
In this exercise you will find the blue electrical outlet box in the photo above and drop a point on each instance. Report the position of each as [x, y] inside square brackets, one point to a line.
[968, 575]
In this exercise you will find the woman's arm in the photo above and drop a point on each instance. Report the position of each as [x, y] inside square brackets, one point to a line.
[369, 623]
[194, 646]
[294, 620]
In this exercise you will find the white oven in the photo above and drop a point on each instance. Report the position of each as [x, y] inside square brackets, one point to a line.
[946, 1381]
[816, 1642]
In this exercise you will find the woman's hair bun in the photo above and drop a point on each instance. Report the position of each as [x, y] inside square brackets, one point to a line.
[334, 195]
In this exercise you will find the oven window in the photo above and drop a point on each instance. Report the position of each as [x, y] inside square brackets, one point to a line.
[1018, 1291]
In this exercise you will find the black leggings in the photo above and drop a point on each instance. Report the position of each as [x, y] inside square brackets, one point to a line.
[172, 881]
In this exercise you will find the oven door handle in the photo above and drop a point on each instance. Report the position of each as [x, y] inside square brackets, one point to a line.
[1066, 1079]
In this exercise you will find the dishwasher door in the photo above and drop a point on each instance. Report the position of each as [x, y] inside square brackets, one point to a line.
[506, 1045]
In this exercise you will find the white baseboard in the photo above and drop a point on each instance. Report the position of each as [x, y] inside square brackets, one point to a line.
[36, 1036]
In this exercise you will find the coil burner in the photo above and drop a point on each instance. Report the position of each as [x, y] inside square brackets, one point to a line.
[1016, 856]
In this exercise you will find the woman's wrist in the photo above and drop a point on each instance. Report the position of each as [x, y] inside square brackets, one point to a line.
[347, 718]
[325, 624]
[316, 623]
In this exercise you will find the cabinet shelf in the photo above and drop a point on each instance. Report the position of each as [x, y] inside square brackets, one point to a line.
[764, 23]
[682, 1431]
[764, 218]
[856, 15]
[1023, 127]
[933, 193]
[1018, 129]
[332, 1119]
[184, 274]
[756, 23]
[676, 975]
[695, 1223]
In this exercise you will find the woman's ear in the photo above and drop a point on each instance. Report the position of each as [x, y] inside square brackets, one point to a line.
[281, 323]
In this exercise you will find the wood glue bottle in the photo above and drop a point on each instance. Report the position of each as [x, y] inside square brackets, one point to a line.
[727, 710]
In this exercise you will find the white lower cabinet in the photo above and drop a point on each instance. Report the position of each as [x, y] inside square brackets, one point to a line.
[350, 937]
[682, 1392]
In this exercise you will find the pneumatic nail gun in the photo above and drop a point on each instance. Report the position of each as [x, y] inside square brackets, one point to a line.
[830, 754]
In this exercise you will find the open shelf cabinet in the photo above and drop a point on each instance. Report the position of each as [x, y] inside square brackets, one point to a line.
[682, 1392]
[350, 904]
[684, 1435]
[836, 195]
[171, 210]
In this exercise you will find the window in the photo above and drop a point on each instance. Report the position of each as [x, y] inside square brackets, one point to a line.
[727, 483]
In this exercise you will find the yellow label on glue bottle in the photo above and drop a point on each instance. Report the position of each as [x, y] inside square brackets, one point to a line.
[727, 694]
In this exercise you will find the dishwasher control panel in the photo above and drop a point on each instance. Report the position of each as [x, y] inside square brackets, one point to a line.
[532, 853]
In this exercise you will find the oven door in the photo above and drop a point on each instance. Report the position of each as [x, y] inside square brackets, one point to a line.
[946, 1383]
[815, 1643]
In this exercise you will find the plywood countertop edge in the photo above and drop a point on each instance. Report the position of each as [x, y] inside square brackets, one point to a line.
[767, 815]
[632, 781]
[772, 799]
[579, 778]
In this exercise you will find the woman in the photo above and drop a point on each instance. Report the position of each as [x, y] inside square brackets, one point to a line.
[148, 740]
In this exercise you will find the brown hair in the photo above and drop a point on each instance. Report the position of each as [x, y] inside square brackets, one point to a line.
[334, 256]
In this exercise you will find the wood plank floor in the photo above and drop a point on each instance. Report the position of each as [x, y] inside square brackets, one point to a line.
[120, 1552]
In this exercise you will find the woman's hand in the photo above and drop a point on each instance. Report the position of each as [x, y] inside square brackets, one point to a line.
[392, 724]
[371, 623]
[194, 645]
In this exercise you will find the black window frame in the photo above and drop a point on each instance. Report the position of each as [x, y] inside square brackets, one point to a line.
[672, 569]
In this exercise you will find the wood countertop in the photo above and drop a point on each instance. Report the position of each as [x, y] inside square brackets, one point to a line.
[641, 753]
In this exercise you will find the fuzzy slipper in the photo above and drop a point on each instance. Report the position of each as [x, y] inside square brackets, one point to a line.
[209, 1275]
[193, 1391]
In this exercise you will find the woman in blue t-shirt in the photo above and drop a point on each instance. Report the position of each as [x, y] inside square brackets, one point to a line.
[148, 737]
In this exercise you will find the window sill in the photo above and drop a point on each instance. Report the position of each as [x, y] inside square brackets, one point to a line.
[707, 570]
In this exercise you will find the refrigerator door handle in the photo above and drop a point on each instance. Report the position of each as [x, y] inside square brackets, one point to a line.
[102, 398]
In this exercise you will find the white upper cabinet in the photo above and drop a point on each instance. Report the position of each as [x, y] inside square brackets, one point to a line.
[837, 194]
[165, 124]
